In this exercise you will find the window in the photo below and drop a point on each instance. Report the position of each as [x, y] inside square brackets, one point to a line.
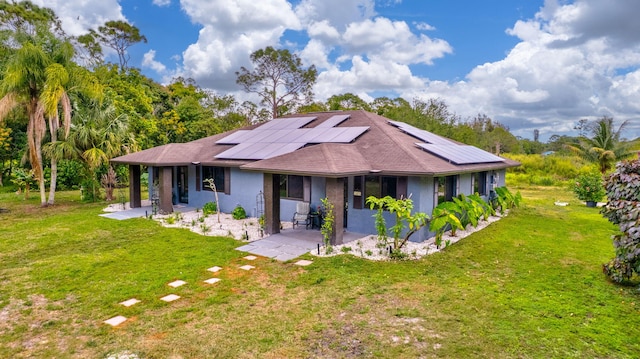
[445, 188]
[378, 186]
[480, 183]
[292, 186]
[219, 175]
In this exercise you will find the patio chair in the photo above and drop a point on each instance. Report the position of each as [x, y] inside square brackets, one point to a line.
[302, 215]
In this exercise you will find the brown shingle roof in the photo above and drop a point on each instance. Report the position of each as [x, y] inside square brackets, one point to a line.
[384, 149]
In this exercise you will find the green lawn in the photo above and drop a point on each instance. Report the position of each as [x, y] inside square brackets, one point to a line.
[527, 286]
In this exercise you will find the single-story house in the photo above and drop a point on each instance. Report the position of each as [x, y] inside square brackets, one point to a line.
[344, 156]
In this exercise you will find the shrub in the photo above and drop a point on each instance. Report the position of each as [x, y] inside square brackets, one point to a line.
[623, 209]
[588, 187]
[209, 208]
[239, 213]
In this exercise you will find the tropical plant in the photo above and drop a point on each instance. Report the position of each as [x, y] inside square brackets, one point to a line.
[239, 213]
[212, 185]
[209, 208]
[505, 200]
[24, 179]
[40, 76]
[444, 217]
[588, 187]
[605, 147]
[623, 209]
[328, 225]
[406, 222]
[109, 181]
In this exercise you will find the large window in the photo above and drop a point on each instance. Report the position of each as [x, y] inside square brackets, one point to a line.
[480, 183]
[219, 178]
[445, 188]
[292, 186]
[378, 186]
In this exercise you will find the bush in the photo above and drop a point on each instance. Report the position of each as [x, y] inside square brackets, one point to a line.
[239, 213]
[209, 208]
[623, 209]
[588, 187]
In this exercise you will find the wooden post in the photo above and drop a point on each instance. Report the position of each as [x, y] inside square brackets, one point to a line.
[271, 191]
[134, 186]
[166, 190]
[335, 194]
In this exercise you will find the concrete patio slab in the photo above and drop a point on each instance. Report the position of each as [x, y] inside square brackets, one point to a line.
[130, 302]
[170, 298]
[291, 243]
[247, 267]
[212, 280]
[115, 321]
[251, 258]
[214, 269]
[177, 283]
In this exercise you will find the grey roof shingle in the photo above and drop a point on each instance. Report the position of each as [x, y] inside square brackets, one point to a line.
[384, 149]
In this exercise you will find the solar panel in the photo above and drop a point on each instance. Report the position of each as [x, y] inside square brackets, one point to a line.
[259, 151]
[333, 121]
[460, 154]
[426, 136]
[286, 123]
[233, 138]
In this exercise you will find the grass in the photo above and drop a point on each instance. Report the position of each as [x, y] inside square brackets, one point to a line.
[528, 286]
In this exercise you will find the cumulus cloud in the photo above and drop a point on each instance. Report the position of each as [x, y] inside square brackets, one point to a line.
[231, 31]
[78, 16]
[148, 60]
[560, 72]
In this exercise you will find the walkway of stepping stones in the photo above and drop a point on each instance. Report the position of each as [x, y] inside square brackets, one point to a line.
[117, 320]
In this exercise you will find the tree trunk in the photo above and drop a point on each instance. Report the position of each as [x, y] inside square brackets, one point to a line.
[54, 178]
[53, 130]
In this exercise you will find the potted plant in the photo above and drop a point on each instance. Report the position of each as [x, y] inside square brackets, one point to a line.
[588, 187]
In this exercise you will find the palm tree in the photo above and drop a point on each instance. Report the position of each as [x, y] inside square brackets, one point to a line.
[605, 147]
[97, 134]
[40, 76]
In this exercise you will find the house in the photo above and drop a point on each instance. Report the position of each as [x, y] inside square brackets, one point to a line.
[344, 156]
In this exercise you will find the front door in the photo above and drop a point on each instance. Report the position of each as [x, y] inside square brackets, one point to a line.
[183, 184]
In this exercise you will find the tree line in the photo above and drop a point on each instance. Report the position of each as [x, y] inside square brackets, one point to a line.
[65, 111]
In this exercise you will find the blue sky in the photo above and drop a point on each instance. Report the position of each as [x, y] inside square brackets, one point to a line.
[529, 64]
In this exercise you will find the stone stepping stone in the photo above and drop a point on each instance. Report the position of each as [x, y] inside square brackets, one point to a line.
[214, 269]
[212, 280]
[130, 302]
[177, 283]
[115, 321]
[303, 262]
[170, 298]
[247, 267]
[251, 258]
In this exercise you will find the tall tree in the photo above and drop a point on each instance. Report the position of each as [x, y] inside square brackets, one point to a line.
[347, 101]
[605, 146]
[117, 35]
[279, 79]
[38, 77]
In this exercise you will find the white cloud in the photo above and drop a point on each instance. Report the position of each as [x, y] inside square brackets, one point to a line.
[78, 16]
[423, 26]
[231, 31]
[162, 2]
[148, 60]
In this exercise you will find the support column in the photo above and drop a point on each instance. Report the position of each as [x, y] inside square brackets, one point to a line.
[134, 186]
[335, 194]
[166, 190]
[271, 191]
